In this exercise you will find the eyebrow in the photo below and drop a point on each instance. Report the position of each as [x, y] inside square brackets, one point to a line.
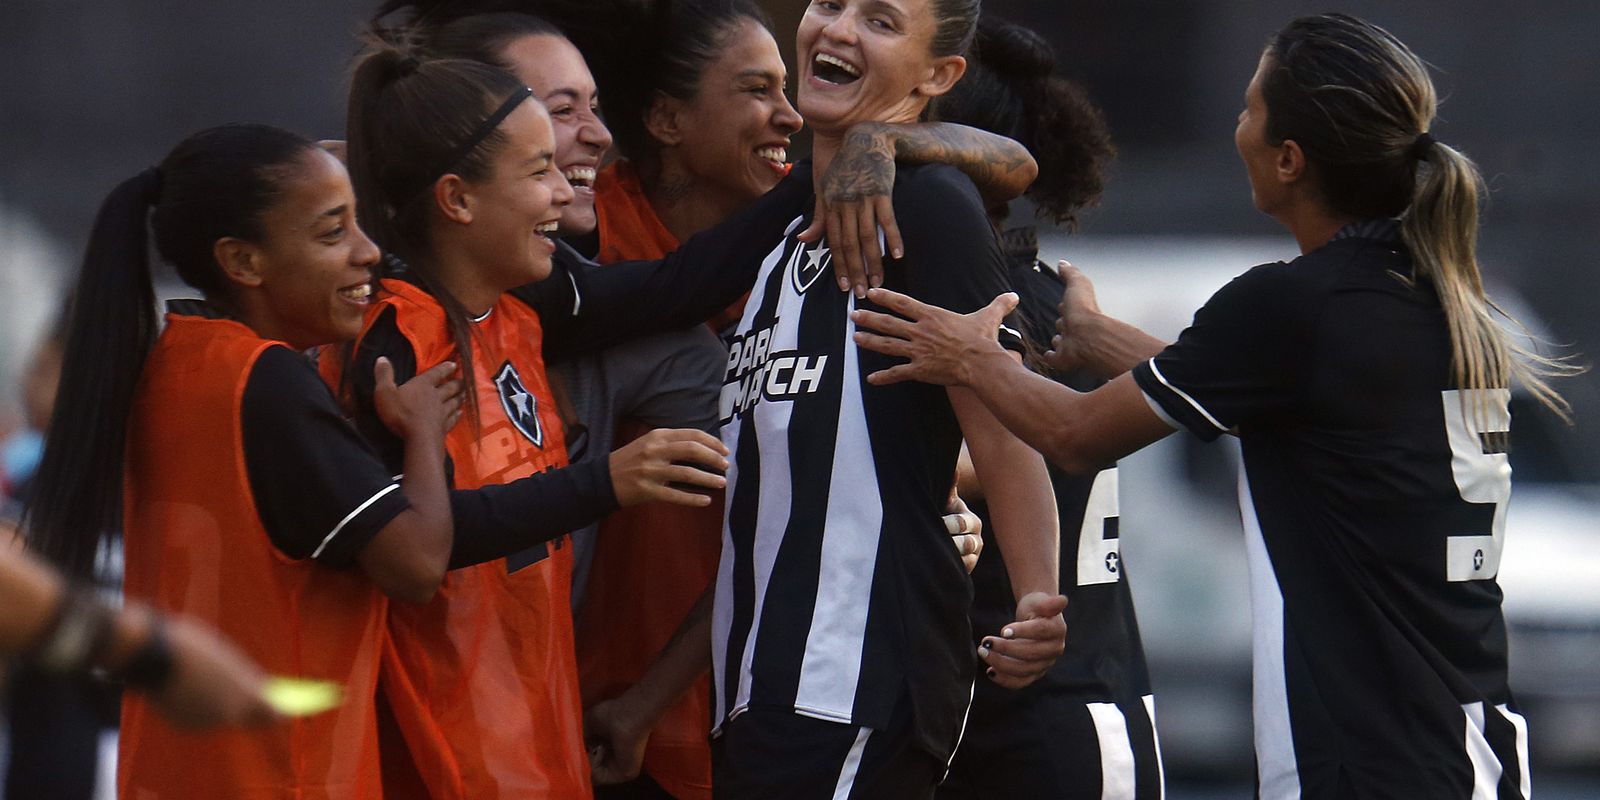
[887, 7]
[570, 94]
[542, 155]
[758, 73]
[332, 213]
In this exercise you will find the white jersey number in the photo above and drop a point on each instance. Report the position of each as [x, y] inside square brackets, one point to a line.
[1478, 422]
[1099, 554]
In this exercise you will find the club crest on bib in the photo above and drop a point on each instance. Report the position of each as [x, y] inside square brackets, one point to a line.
[808, 264]
[522, 408]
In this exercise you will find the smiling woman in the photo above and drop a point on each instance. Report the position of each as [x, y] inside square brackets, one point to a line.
[841, 654]
[245, 499]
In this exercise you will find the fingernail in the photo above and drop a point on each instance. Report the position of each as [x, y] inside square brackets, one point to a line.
[988, 643]
[861, 292]
[1008, 633]
[844, 285]
[899, 253]
[876, 281]
[989, 672]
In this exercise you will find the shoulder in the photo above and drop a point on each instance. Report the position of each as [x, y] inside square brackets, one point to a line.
[935, 186]
[938, 205]
[282, 379]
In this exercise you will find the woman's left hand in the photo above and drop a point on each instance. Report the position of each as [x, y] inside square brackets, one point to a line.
[965, 529]
[939, 343]
[854, 201]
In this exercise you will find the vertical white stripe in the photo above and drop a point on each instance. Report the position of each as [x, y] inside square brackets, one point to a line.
[852, 765]
[831, 668]
[1485, 766]
[1118, 778]
[774, 494]
[1275, 760]
[722, 606]
[1521, 725]
[1155, 736]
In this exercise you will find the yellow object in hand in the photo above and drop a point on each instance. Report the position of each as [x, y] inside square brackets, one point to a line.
[297, 697]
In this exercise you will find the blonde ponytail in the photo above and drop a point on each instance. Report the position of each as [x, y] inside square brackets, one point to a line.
[1441, 231]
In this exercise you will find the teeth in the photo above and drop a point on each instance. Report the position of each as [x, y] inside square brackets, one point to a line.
[777, 154]
[824, 58]
[358, 292]
[548, 227]
[581, 175]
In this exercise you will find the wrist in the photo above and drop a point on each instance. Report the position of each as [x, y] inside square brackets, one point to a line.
[139, 654]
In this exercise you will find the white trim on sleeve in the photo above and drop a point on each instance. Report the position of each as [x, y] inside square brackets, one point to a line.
[350, 516]
[1156, 371]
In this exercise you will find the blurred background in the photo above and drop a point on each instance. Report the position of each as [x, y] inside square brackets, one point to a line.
[93, 92]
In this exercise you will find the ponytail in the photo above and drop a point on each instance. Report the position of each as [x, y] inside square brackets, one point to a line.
[1440, 229]
[213, 185]
[410, 122]
[1359, 103]
[111, 326]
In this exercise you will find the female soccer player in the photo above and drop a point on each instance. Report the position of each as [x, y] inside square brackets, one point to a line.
[1367, 382]
[250, 504]
[841, 656]
[1085, 728]
[457, 170]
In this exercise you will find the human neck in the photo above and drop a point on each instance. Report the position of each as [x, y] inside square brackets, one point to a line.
[1311, 224]
[684, 204]
[251, 309]
[464, 277]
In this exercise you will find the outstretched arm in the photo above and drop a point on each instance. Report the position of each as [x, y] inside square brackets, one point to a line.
[1079, 432]
[1090, 340]
[855, 197]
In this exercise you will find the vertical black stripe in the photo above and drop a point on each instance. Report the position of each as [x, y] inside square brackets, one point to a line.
[1142, 738]
[742, 515]
[1502, 738]
[813, 428]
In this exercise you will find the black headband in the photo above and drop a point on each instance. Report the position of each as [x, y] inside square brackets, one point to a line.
[478, 135]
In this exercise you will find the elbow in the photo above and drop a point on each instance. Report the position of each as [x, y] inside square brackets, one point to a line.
[415, 582]
[1065, 450]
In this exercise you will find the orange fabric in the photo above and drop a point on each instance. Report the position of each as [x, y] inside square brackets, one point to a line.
[631, 231]
[195, 544]
[651, 562]
[482, 681]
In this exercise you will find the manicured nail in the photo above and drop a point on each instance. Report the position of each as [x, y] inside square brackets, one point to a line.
[989, 672]
[844, 284]
[899, 253]
[861, 291]
[1008, 633]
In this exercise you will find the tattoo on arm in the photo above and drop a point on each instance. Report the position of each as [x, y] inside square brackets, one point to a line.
[1001, 168]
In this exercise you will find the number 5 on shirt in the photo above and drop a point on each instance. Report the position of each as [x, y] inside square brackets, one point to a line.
[1478, 422]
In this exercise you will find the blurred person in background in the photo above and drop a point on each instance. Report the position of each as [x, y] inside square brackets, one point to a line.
[1086, 728]
[1368, 383]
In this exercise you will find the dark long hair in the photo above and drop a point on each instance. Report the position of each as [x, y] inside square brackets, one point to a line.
[659, 49]
[407, 117]
[1011, 88]
[215, 184]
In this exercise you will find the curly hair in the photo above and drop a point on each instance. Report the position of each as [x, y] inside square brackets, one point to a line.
[1011, 89]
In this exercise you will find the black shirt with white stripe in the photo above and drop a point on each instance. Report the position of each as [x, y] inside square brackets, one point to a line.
[1086, 728]
[1373, 497]
[839, 591]
[320, 489]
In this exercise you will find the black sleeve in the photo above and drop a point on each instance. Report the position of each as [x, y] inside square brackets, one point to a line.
[1239, 360]
[382, 339]
[587, 309]
[953, 259]
[499, 521]
[320, 489]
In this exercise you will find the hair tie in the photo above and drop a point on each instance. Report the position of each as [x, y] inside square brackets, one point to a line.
[407, 65]
[1423, 146]
[152, 180]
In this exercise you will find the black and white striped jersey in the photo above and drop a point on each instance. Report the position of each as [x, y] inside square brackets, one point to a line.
[839, 591]
[1373, 497]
